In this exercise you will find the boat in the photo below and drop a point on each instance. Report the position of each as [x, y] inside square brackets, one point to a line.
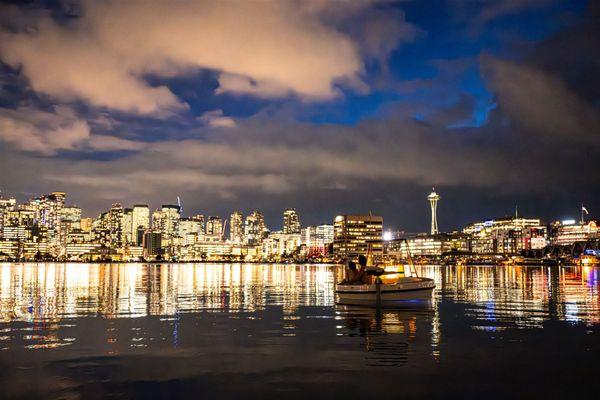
[394, 285]
[403, 290]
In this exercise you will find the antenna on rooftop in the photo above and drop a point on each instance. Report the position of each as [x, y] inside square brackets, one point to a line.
[179, 204]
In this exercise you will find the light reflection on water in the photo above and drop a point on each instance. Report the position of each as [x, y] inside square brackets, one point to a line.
[117, 322]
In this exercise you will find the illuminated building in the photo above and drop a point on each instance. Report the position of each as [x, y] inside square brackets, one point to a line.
[172, 216]
[280, 244]
[507, 235]
[255, 228]
[426, 245]
[166, 221]
[316, 239]
[433, 200]
[152, 244]
[569, 232]
[236, 227]
[189, 230]
[115, 225]
[85, 224]
[214, 226]
[354, 235]
[70, 214]
[200, 219]
[291, 222]
[6, 205]
[9, 249]
[140, 221]
[127, 236]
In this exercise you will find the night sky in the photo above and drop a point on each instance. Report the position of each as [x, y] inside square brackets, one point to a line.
[328, 107]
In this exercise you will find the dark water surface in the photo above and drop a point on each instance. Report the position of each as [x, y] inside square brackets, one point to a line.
[79, 331]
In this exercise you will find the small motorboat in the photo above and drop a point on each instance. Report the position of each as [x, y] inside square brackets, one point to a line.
[394, 285]
[402, 290]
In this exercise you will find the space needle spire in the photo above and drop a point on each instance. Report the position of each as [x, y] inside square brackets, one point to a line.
[433, 200]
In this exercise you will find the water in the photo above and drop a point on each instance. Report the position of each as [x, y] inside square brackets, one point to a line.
[92, 331]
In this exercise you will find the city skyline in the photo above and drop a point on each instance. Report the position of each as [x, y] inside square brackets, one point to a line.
[427, 224]
[473, 99]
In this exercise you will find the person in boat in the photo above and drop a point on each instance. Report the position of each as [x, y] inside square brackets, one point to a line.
[363, 277]
[351, 274]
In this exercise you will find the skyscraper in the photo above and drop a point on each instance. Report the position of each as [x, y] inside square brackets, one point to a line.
[236, 227]
[140, 220]
[115, 225]
[127, 236]
[172, 214]
[291, 222]
[433, 200]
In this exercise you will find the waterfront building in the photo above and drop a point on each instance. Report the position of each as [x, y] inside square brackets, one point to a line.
[424, 245]
[317, 239]
[433, 200]
[508, 235]
[255, 228]
[279, 244]
[566, 233]
[355, 235]
[211, 248]
[291, 221]
[236, 227]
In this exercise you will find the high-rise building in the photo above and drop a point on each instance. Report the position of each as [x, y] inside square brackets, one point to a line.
[356, 235]
[6, 206]
[255, 228]
[291, 222]
[214, 226]
[166, 221]
[236, 227]
[152, 244]
[115, 225]
[127, 236]
[433, 200]
[140, 219]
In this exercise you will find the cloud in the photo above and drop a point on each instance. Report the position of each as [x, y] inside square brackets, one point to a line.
[263, 49]
[46, 133]
[216, 119]
[499, 8]
[541, 103]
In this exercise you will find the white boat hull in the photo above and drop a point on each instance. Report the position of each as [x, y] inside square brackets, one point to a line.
[406, 289]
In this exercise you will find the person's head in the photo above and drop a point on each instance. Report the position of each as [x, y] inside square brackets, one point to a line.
[352, 265]
[362, 260]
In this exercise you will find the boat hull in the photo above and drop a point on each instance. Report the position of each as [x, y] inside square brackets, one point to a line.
[405, 290]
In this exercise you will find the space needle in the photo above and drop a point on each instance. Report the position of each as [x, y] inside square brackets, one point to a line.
[433, 199]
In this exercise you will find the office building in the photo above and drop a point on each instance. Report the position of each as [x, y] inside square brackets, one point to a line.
[356, 235]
